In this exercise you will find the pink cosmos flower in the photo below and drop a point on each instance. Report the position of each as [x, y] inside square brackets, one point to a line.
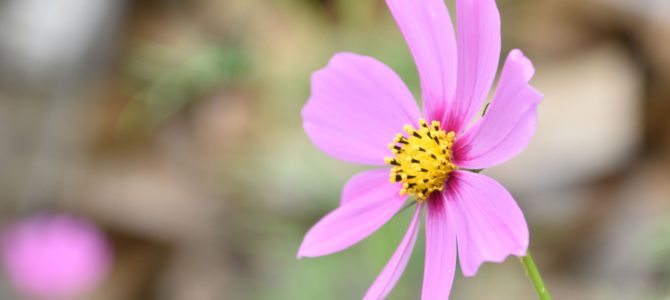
[358, 106]
[54, 256]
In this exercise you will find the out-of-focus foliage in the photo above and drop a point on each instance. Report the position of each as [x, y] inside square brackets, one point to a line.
[164, 82]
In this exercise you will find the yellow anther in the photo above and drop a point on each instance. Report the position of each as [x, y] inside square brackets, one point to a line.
[422, 159]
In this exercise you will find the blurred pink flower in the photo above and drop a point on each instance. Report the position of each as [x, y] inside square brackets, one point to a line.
[358, 105]
[54, 256]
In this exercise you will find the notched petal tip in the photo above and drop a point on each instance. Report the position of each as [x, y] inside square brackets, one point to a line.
[355, 107]
[303, 252]
[490, 226]
[536, 95]
[517, 56]
[372, 203]
[509, 122]
[303, 249]
[471, 272]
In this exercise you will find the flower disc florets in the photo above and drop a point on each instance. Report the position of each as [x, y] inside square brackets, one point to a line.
[422, 160]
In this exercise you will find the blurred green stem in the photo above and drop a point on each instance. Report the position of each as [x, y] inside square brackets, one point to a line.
[535, 277]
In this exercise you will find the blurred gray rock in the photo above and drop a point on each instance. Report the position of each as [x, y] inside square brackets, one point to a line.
[43, 40]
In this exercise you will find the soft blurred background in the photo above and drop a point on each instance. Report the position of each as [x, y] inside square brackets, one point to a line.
[175, 127]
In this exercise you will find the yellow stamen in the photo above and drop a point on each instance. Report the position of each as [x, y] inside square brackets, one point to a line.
[422, 160]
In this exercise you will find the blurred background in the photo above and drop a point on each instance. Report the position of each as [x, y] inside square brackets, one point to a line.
[175, 127]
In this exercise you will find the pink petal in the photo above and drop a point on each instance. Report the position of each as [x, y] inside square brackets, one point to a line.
[429, 33]
[509, 122]
[395, 267]
[364, 182]
[489, 224]
[356, 108]
[354, 220]
[440, 263]
[55, 256]
[478, 55]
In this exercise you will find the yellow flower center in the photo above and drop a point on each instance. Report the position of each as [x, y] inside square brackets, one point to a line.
[422, 159]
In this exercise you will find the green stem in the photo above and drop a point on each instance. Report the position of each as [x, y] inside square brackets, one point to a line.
[535, 277]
